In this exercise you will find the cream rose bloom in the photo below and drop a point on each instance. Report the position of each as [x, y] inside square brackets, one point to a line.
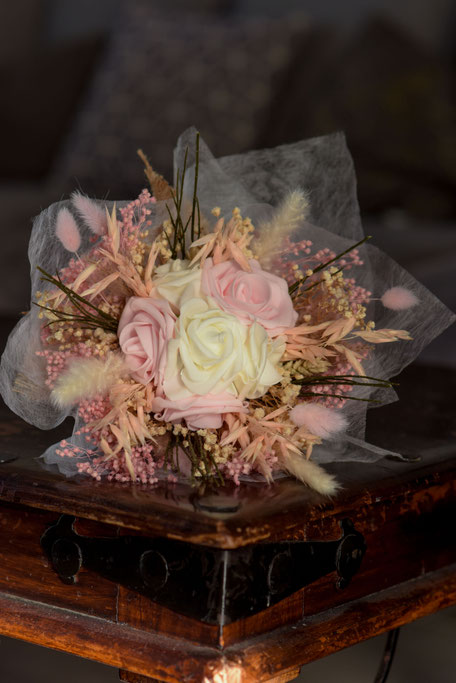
[176, 282]
[214, 352]
[261, 357]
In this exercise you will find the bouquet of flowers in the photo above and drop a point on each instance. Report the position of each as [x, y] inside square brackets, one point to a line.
[205, 336]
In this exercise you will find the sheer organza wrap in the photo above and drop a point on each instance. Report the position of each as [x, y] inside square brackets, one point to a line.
[255, 182]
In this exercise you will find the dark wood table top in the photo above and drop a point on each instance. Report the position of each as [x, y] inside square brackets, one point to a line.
[421, 426]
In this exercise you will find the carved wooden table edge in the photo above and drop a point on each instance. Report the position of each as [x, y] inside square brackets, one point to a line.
[256, 660]
[224, 529]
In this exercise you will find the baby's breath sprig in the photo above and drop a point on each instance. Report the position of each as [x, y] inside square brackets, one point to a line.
[293, 289]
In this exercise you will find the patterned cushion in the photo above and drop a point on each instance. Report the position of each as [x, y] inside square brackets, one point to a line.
[164, 72]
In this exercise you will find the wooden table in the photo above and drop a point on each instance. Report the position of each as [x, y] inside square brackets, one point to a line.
[241, 584]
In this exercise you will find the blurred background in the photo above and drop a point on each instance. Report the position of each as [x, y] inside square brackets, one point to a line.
[84, 84]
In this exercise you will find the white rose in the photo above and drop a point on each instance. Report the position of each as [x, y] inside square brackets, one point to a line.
[261, 357]
[214, 352]
[176, 282]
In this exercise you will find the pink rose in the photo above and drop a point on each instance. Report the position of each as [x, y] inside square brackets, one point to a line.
[199, 412]
[145, 327]
[257, 296]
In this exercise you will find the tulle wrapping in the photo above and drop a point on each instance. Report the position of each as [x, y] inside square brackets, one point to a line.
[255, 182]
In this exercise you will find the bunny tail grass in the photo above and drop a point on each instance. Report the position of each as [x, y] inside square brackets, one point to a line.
[93, 215]
[311, 474]
[87, 377]
[66, 229]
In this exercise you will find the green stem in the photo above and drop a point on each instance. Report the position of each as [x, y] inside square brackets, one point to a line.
[319, 282]
[199, 219]
[347, 251]
[331, 382]
[195, 188]
[72, 295]
[295, 285]
[341, 396]
[89, 322]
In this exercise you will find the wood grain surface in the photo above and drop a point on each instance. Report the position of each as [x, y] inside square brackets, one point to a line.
[257, 660]
[135, 678]
[26, 571]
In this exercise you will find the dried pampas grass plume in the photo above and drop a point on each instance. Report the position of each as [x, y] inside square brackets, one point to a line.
[87, 377]
[288, 216]
[160, 187]
[311, 474]
[93, 215]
